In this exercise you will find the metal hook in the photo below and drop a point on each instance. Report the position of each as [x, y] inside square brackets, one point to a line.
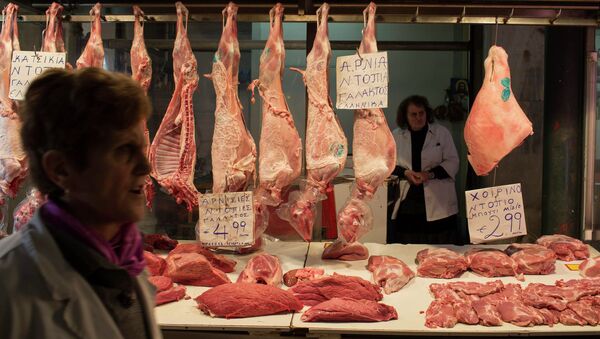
[462, 15]
[496, 34]
[556, 17]
[512, 11]
[416, 16]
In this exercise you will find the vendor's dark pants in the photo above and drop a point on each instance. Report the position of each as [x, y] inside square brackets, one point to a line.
[415, 229]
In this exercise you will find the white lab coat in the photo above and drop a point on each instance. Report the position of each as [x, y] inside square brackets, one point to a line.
[42, 296]
[438, 149]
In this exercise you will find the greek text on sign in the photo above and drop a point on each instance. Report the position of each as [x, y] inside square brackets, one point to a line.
[495, 213]
[362, 81]
[226, 219]
[27, 65]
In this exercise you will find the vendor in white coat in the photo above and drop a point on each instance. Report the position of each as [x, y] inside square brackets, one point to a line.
[428, 161]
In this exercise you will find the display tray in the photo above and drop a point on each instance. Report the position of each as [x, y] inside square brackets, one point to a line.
[185, 315]
[412, 301]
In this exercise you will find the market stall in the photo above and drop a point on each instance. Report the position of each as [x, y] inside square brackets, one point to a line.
[277, 148]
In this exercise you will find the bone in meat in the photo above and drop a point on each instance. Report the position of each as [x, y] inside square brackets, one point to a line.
[93, 53]
[173, 150]
[233, 150]
[13, 162]
[374, 153]
[326, 144]
[496, 124]
[141, 69]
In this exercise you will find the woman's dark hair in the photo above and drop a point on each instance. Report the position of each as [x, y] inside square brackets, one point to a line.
[416, 100]
[74, 112]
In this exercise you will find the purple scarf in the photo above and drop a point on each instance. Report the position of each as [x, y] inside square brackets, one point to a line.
[125, 249]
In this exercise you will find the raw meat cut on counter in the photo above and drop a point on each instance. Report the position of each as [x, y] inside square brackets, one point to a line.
[590, 268]
[233, 150]
[440, 314]
[161, 283]
[13, 161]
[574, 302]
[519, 314]
[532, 258]
[326, 144]
[217, 260]
[565, 247]
[290, 278]
[155, 264]
[194, 269]
[280, 156]
[349, 310]
[496, 124]
[166, 292]
[374, 152]
[389, 272]
[312, 292]
[93, 53]
[141, 71]
[173, 150]
[262, 269]
[341, 250]
[241, 300]
[492, 263]
[159, 242]
[440, 263]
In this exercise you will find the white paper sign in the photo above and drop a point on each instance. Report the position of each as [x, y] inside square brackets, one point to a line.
[27, 65]
[226, 219]
[495, 213]
[362, 81]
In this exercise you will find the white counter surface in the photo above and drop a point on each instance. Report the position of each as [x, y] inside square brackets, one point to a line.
[185, 315]
[412, 301]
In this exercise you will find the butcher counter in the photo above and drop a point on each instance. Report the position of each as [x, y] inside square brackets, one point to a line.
[183, 320]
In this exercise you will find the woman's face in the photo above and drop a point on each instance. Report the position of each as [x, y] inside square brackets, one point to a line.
[109, 189]
[416, 116]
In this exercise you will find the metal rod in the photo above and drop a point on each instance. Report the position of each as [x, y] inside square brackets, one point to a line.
[385, 18]
[579, 5]
[589, 140]
[245, 45]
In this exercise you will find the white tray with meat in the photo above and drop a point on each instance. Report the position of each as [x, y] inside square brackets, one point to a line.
[412, 301]
[185, 314]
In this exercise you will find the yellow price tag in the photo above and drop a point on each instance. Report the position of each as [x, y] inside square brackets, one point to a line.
[572, 267]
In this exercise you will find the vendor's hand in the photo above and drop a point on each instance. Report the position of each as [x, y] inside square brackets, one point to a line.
[413, 177]
[425, 175]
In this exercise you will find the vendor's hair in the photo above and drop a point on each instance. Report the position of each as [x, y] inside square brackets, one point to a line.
[416, 100]
[74, 112]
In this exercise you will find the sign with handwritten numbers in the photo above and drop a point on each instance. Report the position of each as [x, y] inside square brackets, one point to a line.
[495, 213]
[226, 219]
[27, 65]
[362, 81]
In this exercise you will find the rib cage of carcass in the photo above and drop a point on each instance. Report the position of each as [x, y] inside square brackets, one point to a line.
[173, 150]
[326, 144]
[374, 153]
[233, 150]
[93, 53]
[496, 123]
[141, 69]
[13, 162]
[280, 157]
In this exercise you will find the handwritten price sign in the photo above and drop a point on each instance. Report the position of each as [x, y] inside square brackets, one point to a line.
[27, 65]
[226, 219]
[362, 81]
[495, 213]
